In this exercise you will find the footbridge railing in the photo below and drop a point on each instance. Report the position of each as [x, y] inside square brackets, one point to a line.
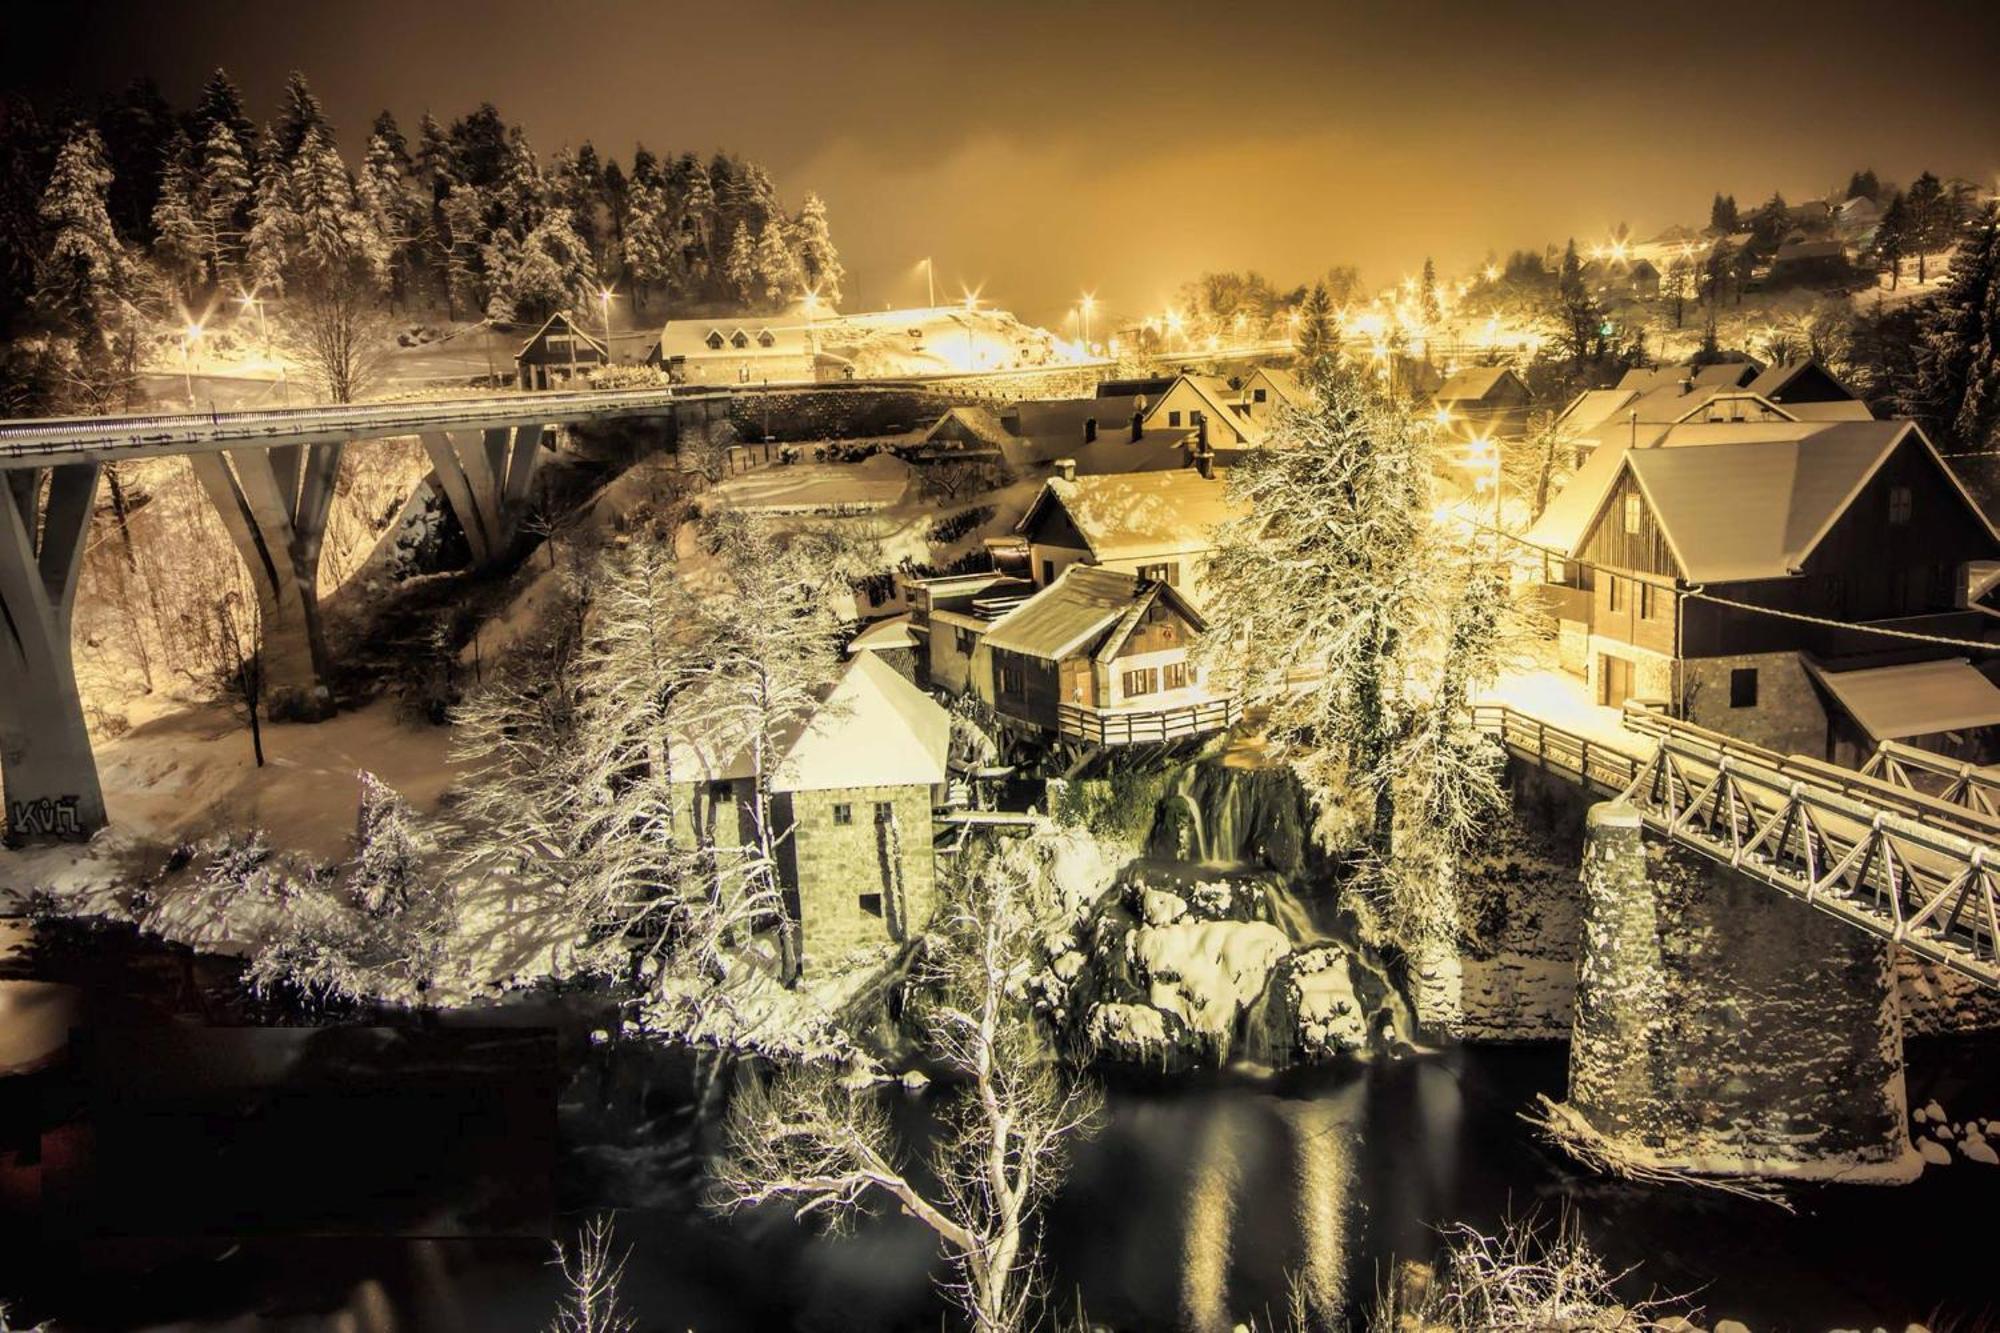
[1895, 863]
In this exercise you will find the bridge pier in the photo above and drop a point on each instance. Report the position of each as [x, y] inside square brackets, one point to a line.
[486, 476]
[274, 503]
[45, 760]
[1721, 1028]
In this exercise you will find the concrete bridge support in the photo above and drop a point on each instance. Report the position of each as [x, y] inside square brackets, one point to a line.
[487, 477]
[1723, 1028]
[45, 760]
[274, 502]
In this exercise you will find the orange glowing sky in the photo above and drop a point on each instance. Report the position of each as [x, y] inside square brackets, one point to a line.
[1046, 148]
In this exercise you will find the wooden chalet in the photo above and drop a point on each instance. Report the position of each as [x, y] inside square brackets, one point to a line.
[1102, 657]
[561, 354]
[1833, 523]
[1486, 400]
[1155, 525]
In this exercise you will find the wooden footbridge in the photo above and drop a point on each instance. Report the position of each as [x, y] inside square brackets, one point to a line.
[1907, 849]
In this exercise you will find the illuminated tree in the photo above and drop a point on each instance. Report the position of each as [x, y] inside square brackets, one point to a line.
[812, 245]
[741, 267]
[178, 246]
[1955, 390]
[777, 268]
[810, 1142]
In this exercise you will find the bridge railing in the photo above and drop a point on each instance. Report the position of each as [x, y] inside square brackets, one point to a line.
[1137, 726]
[1895, 863]
[1953, 781]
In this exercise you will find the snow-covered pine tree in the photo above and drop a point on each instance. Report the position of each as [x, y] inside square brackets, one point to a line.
[300, 117]
[812, 245]
[179, 248]
[1427, 295]
[1955, 388]
[335, 270]
[463, 240]
[84, 263]
[696, 210]
[221, 104]
[388, 853]
[273, 223]
[645, 248]
[223, 196]
[385, 191]
[740, 269]
[1318, 345]
[777, 270]
[1339, 572]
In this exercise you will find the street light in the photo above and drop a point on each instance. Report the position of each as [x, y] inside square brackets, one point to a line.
[930, 281]
[604, 302]
[189, 337]
[1088, 305]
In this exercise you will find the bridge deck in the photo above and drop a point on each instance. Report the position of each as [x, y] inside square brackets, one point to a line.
[1899, 864]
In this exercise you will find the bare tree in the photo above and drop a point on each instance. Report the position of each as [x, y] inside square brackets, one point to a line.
[335, 325]
[830, 1153]
[590, 1281]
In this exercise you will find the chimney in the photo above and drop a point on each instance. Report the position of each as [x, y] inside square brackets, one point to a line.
[1204, 462]
[1090, 430]
[1066, 469]
[1138, 427]
[1201, 432]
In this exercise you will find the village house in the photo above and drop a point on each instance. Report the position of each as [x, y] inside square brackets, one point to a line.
[1101, 657]
[1269, 390]
[1490, 401]
[1809, 263]
[1159, 526]
[561, 355]
[746, 350]
[853, 791]
[948, 617]
[1648, 403]
[1834, 521]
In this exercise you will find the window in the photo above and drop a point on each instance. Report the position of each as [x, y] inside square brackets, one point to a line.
[1145, 680]
[1631, 512]
[1177, 675]
[721, 793]
[1164, 573]
[1743, 687]
[1615, 591]
[1048, 572]
[739, 339]
[1257, 395]
[767, 339]
[843, 813]
[964, 639]
[1654, 603]
[1173, 418]
[885, 812]
[1011, 680]
[714, 340]
[1900, 502]
[871, 903]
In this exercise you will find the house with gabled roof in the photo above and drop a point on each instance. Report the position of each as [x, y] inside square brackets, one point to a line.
[1486, 400]
[853, 785]
[1268, 390]
[1719, 570]
[1158, 526]
[1206, 405]
[562, 354]
[1102, 657]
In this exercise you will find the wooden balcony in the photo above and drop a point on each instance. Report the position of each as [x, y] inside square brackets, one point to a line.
[1135, 726]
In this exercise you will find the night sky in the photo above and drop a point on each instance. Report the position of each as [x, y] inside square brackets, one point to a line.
[1041, 149]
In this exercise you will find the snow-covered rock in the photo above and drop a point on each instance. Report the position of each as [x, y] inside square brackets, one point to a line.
[1330, 1019]
[1933, 1112]
[1134, 1033]
[1207, 972]
[1160, 908]
[1934, 1152]
[1978, 1149]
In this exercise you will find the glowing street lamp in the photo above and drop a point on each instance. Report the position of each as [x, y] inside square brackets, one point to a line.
[930, 281]
[604, 304]
[1087, 307]
[250, 301]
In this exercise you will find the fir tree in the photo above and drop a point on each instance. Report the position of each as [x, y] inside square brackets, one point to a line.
[433, 160]
[1316, 341]
[1722, 218]
[1427, 295]
[812, 244]
[1924, 221]
[645, 249]
[740, 269]
[1955, 390]
[221, 105]
[223, 199]
[300, 116]
[1892, 239]
[777, 271]
[273, 223]
[1864, 184]
[698, 217]
[179, 246]
[1769, 224]
[84, 265]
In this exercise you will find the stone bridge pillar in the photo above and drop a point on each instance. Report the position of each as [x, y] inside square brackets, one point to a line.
[487, 476]
[46, 767]
[274, 502]
[1724, 1028]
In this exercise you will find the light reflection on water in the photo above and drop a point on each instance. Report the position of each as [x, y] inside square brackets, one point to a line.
[1196, 1207]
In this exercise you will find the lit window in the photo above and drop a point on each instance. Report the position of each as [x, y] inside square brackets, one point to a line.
[1145, 680]
[1175, 675]
[843, 814]
[1900, 502]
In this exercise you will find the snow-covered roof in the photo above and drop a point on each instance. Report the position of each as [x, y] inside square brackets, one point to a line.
[874, 729]
[1916, 699]
[1084, 603]
[1283, 383]
[883, 635]
[1139, 513]
[1593, 407]
[1478, 384]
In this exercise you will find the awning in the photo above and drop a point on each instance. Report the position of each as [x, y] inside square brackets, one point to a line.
[1897, 702]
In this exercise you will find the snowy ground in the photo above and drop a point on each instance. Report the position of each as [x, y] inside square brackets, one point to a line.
[1563, 700]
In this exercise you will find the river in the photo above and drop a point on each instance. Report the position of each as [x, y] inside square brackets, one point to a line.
[350, 1177]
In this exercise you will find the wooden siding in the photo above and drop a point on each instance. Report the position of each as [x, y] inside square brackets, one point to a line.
[1610, 546]
[1037, 698]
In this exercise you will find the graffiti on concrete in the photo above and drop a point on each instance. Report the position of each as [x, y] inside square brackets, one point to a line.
[45, 816]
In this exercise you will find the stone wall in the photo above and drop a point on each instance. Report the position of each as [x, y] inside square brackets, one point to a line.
[1789, 716]
[1514, 974]
[1722, 1027]
[859, 883]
